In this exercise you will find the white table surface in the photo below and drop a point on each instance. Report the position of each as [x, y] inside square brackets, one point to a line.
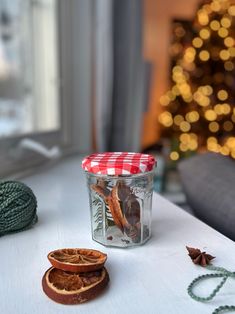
[149, 279]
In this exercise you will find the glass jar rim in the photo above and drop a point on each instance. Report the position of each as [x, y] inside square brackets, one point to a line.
[124, 176]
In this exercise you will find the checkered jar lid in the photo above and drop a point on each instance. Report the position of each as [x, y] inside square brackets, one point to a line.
[118, 163]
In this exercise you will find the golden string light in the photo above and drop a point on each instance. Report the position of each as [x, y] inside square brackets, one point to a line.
[210, 115]
[231, 51]
[229, 41]
[207, 8]
[215, 6]
[188, 141]
[222, 109]
[171, 95]
[204, 33]
[214, 126]
[174, 156]
[228, 126]
[178, 119]
[183, 147]
[229, 66]
[206, 90]
[165, 118]
[192, 116]
[212, 139]
[224, 150]
[201, 98]
[225, 22]
[184, 138]
[215, 25]
[198, 42]
[185, 126]
[175, 49]
[219, 109]
[164, 100]
[230, 143]
[222, 95]
[223, 32]
[202, 16]
[212, 144]
[175, 90]
[231, 10]
[224, 54]
[204, 55]
[226, 108]
[190, 54]
[179, 31]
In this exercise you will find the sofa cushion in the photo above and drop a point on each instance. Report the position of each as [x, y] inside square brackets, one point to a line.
[209, 184]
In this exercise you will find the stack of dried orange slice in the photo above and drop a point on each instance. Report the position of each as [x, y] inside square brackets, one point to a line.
[76, 275]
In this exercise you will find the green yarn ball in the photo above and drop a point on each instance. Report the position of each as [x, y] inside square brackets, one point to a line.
[18, 206]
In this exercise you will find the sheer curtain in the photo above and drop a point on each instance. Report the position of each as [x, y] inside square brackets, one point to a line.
[103, 86]
[119, 87]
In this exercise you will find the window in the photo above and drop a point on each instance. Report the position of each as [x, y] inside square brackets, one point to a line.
[28, 67]
[45, 78]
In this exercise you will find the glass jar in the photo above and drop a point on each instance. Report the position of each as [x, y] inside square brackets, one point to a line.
[120, 189]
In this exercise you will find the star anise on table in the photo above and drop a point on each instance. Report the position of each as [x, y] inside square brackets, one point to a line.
[198, 257]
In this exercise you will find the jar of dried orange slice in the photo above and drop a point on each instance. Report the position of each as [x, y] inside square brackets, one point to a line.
[120, 188]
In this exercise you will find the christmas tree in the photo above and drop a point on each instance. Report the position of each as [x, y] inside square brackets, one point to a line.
[199, 109]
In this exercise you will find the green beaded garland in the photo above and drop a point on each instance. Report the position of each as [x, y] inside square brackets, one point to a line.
[220, 273]
[224, 308]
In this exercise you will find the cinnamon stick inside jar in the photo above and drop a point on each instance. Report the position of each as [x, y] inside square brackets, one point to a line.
[120, 189]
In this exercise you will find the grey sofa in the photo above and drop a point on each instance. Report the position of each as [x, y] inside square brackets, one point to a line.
[209, 184]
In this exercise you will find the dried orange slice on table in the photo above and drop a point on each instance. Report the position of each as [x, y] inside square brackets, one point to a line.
[73, 288]
[77, 260]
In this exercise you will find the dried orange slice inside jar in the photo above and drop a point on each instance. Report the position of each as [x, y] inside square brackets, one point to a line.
[120, 188]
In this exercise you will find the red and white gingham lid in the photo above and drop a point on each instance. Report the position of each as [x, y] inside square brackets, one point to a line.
[118, 163]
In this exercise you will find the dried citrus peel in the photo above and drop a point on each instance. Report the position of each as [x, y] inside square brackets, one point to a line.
[73, 288]
[77, 260]
[69, 278]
